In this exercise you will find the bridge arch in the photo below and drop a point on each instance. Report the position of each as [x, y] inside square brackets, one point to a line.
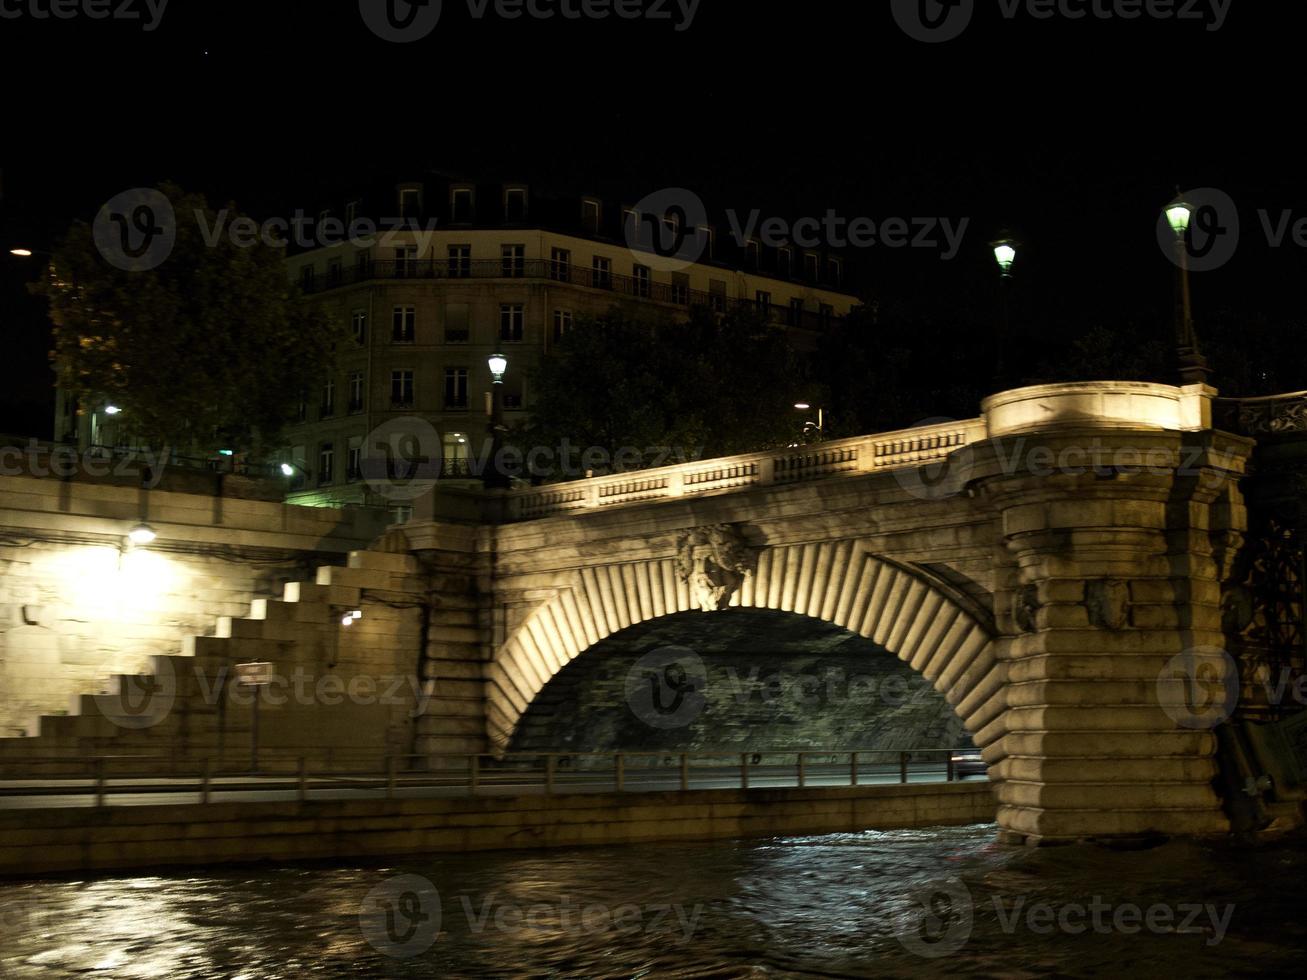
[920, 619]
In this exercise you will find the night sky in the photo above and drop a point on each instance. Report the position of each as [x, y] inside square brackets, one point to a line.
[1071, 133]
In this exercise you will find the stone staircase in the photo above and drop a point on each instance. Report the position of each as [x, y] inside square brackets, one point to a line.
[343, 694]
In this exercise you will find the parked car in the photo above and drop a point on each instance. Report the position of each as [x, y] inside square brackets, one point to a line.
[967, 762]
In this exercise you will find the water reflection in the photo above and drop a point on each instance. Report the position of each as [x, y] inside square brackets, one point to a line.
[855, 905]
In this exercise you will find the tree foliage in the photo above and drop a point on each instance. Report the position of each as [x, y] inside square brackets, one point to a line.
[659, 391]
[210, 349]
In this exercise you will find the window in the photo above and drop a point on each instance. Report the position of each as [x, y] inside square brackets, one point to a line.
[457, 317]
[717, 295]
[680, 292]
[462, 205]
[752, 253]
[591, 212]
[512, 393]
[834, 271]
[631, 224]
[401, 388]
[826, 312]
[460, 261]
[642, 278]
[510, 321]
[403, 324]
[326, 463]
[351, 215]
[810, 266]
[784, 262]
[601, 274]
[328, 406]
[515, 204]
[562, 322]
[355, 392]
[763, 300]
[333, 272]
[306, 278]
[513, 260]
[410, 202]
[796, 312]
[358, 323]
[406, 258]
[456, 387]
[560, 264]
[453, 447]
[354, 461]
[706, 240]
[363, 265]
[302, 407]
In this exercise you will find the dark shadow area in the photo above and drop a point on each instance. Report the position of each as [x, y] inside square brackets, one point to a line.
[742, 679]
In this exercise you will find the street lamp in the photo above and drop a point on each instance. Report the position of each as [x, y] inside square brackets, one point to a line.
[810, 427]
[22, 253]
[493, 476]
[1193, 366]
[1005, 254]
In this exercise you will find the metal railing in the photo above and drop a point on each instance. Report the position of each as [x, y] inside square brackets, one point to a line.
[668, 293]
[109, 780]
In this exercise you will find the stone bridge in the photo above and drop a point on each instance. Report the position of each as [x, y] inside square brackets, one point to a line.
[1053, 568]
[1047, 567]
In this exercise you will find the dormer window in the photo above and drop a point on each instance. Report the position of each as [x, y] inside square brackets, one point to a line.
[515, 204]
[410, 202]
[462, 205]
[591, 214]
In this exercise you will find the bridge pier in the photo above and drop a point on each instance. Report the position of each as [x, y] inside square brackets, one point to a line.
[1111, 628]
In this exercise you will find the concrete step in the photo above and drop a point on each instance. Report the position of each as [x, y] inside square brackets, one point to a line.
[382, 561]
[332, 595]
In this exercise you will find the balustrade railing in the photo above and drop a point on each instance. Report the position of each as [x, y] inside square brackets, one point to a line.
[847, 457]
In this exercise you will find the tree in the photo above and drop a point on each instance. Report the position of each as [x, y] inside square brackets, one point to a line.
[649, 392]
[210, 349]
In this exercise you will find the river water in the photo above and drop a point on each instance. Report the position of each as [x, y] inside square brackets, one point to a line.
[911, 903]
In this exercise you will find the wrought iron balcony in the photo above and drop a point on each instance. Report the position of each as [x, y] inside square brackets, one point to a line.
[666, 293]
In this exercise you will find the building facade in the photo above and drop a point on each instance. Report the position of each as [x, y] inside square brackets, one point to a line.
[475, 269]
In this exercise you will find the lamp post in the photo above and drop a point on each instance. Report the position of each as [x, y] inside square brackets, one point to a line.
[493, 476]
[1005, 254]
[1192, 364]
[810, 428]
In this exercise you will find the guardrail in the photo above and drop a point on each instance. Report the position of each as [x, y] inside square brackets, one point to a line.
[883, 453]
[103, 778]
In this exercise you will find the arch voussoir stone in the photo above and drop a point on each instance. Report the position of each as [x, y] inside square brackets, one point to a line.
[918, 619]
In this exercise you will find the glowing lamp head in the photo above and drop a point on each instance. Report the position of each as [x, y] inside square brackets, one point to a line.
[498, 365]
[287, 469]
[1005, 254]
[802, 406]
[1178, 215]
[22, 253]
[112, 410]
[141, 534]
